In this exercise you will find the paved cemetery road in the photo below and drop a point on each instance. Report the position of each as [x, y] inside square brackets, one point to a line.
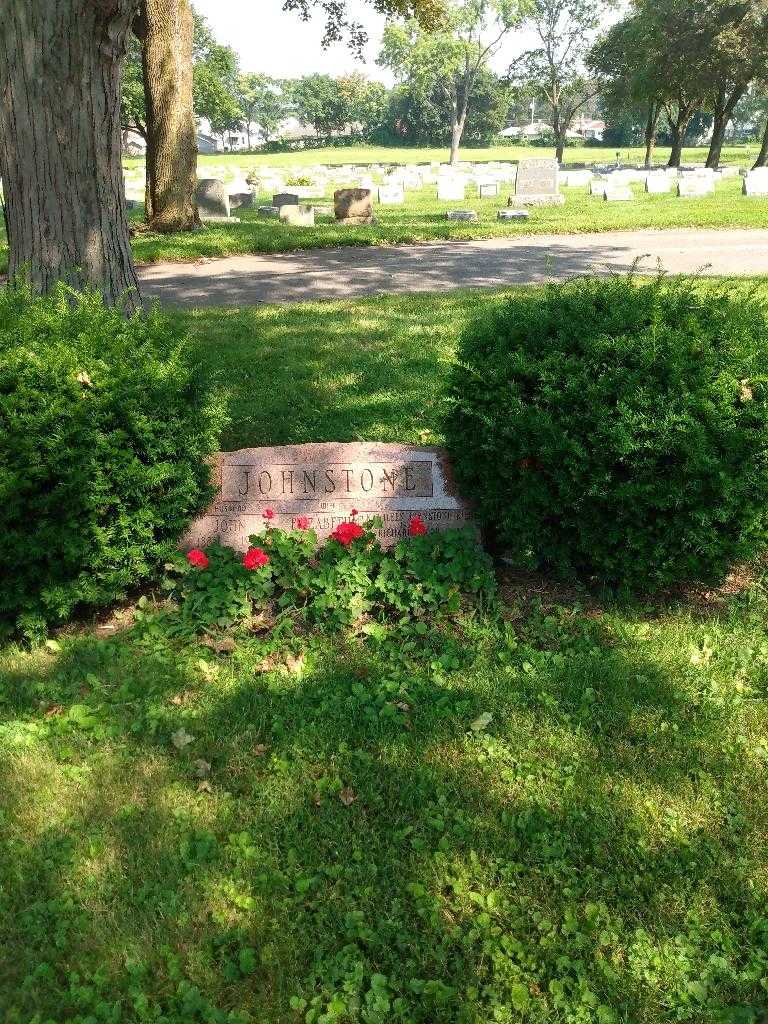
[349, 272]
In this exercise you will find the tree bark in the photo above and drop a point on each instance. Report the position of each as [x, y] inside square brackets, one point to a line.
[762, 156]
[723, 109]
[167, 28]
[651, 124]
[678, 128]
[60, 144]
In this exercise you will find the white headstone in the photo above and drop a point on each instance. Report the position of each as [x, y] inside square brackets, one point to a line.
[693, 186]
[391, 195]
[658, 183]
[488, 190]
[450, 190]
[618, 194]
[756, 182]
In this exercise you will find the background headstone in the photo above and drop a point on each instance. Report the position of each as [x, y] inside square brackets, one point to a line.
[298, 216]
[756, 182]
[391, 195]
[353, 206]
[211, 198]
[325, 482]
[285, 199]
[537, 183]
[450, 190]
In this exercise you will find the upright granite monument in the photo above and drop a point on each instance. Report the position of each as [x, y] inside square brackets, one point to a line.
[537, 183]
[329, 484]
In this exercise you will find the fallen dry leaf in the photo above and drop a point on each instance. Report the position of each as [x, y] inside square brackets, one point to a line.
[181, 698]
[53, 710]
[204, 787]
[347, 796]
[260, 749]
[181, 738]
[481, 722]
[266, 664]
[295, 663]
[402, 705]
[84, 379]
[202, 768]
[746, 391]
[223, 645]
[317, 799]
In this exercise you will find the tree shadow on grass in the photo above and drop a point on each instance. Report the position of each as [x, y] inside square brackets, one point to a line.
[573, 846]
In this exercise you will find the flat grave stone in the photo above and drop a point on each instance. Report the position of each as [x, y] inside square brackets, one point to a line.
[756, 182]
[353, 206]
[298, 216]
[269, 211]
[211, 198]
[488, 189]
[326, 483]
[537, 183]
[618, 194]
[510, 214]
[461, 215]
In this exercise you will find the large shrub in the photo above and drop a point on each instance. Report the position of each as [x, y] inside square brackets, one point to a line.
[103, 435]
[617, 430]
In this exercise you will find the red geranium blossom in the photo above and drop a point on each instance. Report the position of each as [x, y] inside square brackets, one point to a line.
[268, 513]
[302, 522]
[416, 526]
[353, 513]
[345, 533]
[254, 558]
[197, 558]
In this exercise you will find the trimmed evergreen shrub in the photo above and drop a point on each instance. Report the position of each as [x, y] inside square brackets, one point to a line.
[104, 429]
[616, 430]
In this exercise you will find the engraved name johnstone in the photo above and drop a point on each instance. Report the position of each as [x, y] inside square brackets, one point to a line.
[329, 483]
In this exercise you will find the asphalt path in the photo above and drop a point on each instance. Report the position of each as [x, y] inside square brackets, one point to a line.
[347, 272]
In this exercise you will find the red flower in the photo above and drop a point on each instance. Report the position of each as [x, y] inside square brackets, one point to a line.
[302, 522]
[197, 558]
[353, 513]
[268, 513]
[416, 526]
[345, 533]
[254, 558]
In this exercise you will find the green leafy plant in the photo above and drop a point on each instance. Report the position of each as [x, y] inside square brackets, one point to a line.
[349, 579]
[104, 430]
[616, 429]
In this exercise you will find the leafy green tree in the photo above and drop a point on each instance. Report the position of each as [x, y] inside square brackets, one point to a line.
[448, 61]
[216, 80]
[423, 118]
[318, 100]
[367, 103]
[262, 102]
[556, 69]
[629, 81]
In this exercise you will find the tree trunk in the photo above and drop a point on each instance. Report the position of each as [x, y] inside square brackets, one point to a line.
[762, 156]
[678, 128]
[559, 147]
[60, 144]
[723, 110]
[167, 28]
[654, 109]
[457, 130]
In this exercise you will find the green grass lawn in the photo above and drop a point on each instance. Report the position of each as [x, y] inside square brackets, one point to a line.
[743, 154]
[597, 852]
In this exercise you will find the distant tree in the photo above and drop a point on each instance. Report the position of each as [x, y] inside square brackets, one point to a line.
[447, 62]
[262, 102]
[216, 81]
[366, 103]
[422, 117]
[319, 101]
[339, 26]
[556, 69]
[627, 78]
[133, 109]
[736, 57]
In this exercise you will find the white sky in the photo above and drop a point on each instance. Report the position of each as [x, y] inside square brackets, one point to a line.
[277, 43]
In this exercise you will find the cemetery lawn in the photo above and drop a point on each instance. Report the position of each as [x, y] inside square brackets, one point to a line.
[556, 812]
[422, 218]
